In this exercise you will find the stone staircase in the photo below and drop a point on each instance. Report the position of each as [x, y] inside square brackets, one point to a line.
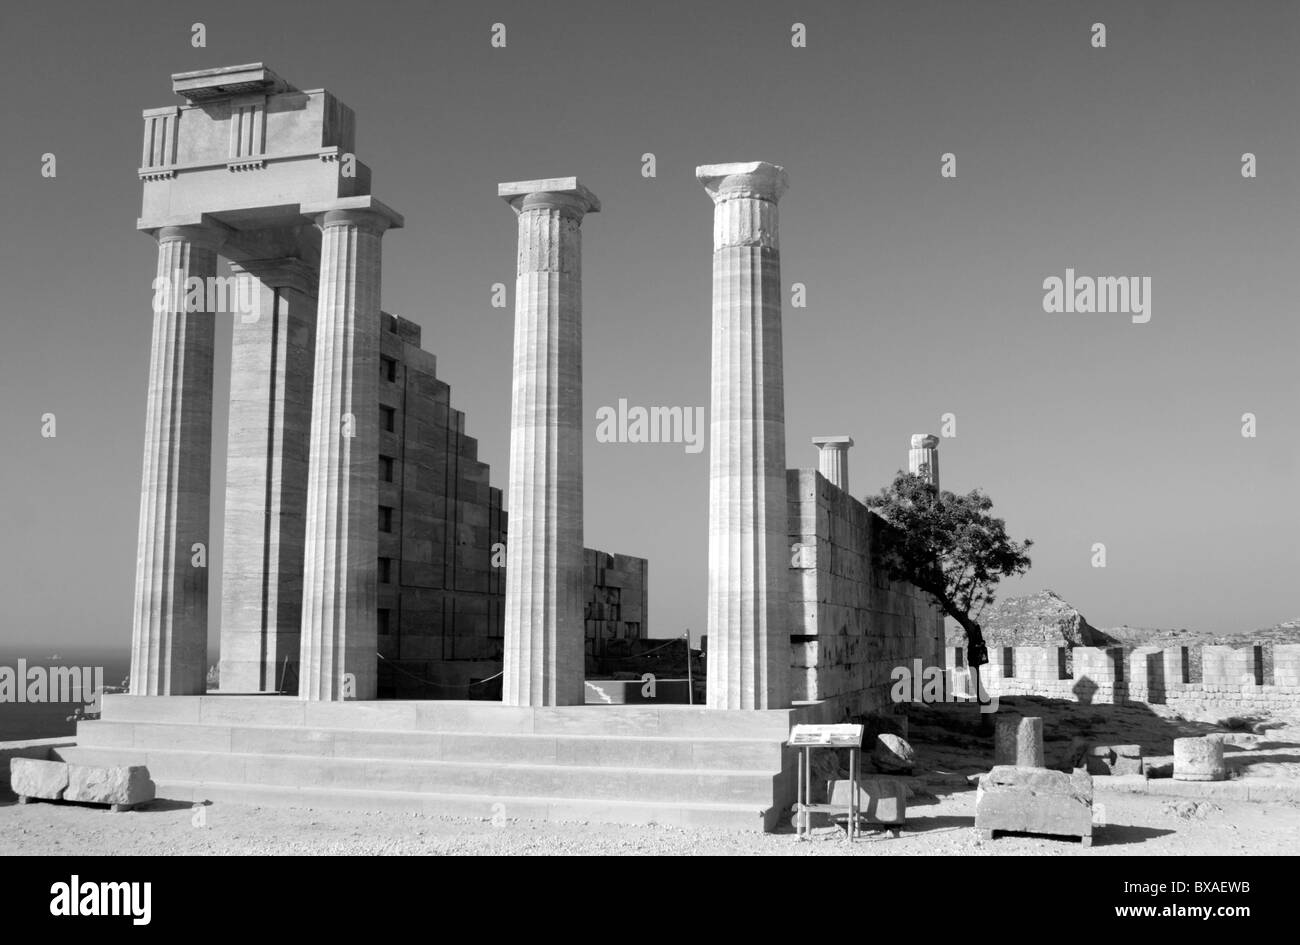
[668, 764]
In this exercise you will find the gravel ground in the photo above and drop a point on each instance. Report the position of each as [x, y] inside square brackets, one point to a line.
[938, 826]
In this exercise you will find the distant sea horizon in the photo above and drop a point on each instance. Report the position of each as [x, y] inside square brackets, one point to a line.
[25, 720]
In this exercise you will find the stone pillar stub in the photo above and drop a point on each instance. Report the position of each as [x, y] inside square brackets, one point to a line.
[749, 648]
[1018, 741]
[923, 457]
[544, 660]
[338, 653]
[833, 459]
[170, 625]
[267, 449]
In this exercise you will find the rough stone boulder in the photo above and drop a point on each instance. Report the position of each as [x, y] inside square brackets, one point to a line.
[119, 785]
[30, 777]
[1041, 619]
[893, 755]
[1035, 800]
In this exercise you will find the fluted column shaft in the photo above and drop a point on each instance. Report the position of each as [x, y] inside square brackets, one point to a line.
[267, 449]
[170, 628]
[749, 648]
[544, 600]
[338, 656]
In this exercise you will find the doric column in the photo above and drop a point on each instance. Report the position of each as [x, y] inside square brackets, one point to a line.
[266, 475]
[833, 459]
[340, 561]
[170, 628]
[545, 594]
[923, 458]
[749, 639]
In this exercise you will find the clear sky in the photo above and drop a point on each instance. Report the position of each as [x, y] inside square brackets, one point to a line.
[924, 294]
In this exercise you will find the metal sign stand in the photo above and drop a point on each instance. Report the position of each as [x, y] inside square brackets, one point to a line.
[808, 737]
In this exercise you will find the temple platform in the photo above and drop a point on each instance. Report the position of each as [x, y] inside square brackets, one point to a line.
[634, 764]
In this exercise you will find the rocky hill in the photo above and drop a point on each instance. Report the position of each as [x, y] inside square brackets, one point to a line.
[1042, 619]
[1045, 619]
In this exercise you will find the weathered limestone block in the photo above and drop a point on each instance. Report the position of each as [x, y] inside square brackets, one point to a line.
[1242, 740]
[880, 800]
[30, 777]
[119, 785]
[1035, 800]
[1018, 741]
[1114, 759]
[1199, 759]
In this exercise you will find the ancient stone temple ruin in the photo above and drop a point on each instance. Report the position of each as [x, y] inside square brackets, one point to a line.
[392, 631]
[360, 526]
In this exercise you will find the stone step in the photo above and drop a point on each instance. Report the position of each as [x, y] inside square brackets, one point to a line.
[451, 716]
[486, 780]
[683, 752]
[739, 816]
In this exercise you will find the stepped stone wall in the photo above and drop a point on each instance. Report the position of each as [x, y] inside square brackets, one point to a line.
[441, 620]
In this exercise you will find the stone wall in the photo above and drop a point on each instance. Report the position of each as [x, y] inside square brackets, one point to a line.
[850, 626]
[438, 517]
[441, 613]
[1247, 678]
[618, 604]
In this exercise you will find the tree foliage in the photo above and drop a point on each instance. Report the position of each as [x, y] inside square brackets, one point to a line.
[950, 546]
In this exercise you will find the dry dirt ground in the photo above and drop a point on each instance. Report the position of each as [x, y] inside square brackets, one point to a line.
[942, 825]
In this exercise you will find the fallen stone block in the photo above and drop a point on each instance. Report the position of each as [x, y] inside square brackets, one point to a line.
[30, 777]
[1199, 759]
[880, 800]
[1239, 740]
[1158, 766]
[122, 786]
[1114, 760]
[1035, 800]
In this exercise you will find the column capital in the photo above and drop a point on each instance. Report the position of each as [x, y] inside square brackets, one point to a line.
[210, 236]
[835, 442]
[755, 179]
[924, 441]
[365, 212]
[565, 194]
